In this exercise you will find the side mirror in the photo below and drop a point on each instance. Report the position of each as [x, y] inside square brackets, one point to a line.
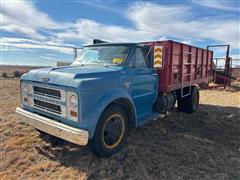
[76, 52]
[158, 57]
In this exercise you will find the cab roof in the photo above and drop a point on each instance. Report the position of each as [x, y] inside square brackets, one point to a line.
[112, 44]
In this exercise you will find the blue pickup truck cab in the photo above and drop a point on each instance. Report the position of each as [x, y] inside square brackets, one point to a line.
[107, 90]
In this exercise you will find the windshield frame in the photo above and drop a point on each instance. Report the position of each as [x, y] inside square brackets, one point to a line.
[129, 45]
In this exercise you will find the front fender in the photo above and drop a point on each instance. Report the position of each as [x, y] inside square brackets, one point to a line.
[94, 103]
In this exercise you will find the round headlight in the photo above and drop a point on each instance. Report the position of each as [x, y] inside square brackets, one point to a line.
[25, 89]
[73, 100]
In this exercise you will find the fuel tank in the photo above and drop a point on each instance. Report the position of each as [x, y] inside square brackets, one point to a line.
[165, 102]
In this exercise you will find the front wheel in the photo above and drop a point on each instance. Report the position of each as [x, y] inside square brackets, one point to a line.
[111, 132]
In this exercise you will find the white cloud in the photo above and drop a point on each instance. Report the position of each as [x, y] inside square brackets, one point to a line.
[23, 17]
[17, 40]
[226, 5]
[235, 56]
[10, 44]
[47, 57]
[86, 30]
[51, 55]
[175, 21]
[106, 6]
[150, 22]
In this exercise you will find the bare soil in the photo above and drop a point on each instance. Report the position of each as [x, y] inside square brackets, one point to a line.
[203, 145]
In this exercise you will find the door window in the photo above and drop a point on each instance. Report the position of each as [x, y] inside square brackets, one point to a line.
[141, 59]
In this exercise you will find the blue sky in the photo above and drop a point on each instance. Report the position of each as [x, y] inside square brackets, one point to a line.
[36, 32]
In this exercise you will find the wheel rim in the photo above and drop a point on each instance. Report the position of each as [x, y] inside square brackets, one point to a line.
[195, 100]
[113, 131]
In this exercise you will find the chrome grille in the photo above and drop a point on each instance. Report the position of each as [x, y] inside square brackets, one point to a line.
[47, 106]
[47, 92]
[49, 99]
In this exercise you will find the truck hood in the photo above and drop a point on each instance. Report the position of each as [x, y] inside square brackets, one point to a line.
[71, 76]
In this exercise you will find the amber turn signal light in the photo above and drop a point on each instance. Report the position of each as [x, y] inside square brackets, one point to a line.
[25, 99]
[73, 113]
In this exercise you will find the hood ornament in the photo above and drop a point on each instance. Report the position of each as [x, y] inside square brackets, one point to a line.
[45, 79]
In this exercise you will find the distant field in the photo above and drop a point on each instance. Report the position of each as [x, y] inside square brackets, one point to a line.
[9, 69]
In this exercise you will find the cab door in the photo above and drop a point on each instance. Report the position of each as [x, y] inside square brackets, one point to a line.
[144, 82]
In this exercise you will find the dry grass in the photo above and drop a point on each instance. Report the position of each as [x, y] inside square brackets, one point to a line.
[203, 145]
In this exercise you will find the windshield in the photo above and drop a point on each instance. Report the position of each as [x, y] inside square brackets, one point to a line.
[103, 54]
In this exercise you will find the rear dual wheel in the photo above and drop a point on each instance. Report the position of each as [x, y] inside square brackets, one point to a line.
[111, 132]
[190, 103]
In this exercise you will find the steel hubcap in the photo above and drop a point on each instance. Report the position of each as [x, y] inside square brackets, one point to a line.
[113, 131]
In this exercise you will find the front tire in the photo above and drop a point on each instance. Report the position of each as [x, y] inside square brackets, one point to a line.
[111, 132]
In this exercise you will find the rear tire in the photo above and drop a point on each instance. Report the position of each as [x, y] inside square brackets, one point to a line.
[190, 103]
[111, 132]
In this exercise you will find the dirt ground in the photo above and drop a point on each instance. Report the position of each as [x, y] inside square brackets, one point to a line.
[203, 145]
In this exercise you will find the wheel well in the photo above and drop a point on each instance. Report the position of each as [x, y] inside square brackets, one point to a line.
[128, 106]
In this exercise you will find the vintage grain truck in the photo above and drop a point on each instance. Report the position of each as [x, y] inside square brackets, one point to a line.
[111, 88]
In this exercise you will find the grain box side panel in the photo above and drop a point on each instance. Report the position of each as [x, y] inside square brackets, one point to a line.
[176, 54]
[180, 60]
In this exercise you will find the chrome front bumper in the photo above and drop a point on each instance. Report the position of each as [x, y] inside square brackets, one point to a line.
[68, 133]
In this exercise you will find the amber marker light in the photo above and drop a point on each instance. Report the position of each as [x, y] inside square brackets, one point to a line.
[73, 113]
[25, 99]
